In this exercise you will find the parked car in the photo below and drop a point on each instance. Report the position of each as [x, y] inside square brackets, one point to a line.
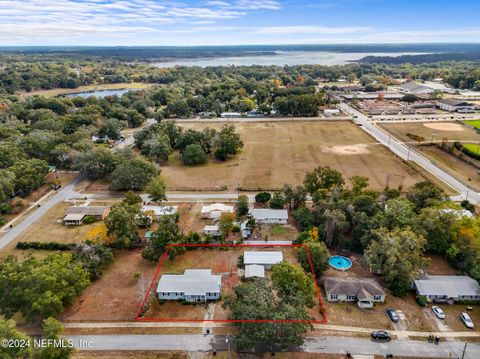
[393, 315]
[465, 318]
[438, 312]
[381, 335]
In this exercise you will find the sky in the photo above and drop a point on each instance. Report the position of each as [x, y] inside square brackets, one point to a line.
[235, 22]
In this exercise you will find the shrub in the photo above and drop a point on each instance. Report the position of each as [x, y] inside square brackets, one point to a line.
[5, 208]
[89, 219]
[422, 300]
[263, 197]
[235, 228]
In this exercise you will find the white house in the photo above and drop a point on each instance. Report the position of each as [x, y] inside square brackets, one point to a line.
[254, 271]
[365, 291]
[75, 215]
[195, 285]
[270, 216]
[215, 210]
[331, 112]
[159, 211]
[211, 230]
[265, 259]
[447, 288]
[230, 115]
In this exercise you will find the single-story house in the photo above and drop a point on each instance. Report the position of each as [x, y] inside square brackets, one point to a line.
[215, 210]
[75, 215]
[194, 285]
[365, 291]
[270, 216]
[230, 115]
[254, 113]
[211, 230]
[159, 211]
[265, 259]
[454, 105]
[206, 114]
[331, 112]
[447, 288]
[254, 271]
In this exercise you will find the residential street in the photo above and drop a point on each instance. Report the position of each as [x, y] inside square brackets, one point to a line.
[332, 345]
[407, 153]
[35, 214]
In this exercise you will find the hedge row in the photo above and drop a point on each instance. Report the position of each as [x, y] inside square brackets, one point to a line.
[466, 151]
[49, 246]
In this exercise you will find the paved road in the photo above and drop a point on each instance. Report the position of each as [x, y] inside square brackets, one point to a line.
[332, 345]
[407, 153]
[63, 194]
[130, 140]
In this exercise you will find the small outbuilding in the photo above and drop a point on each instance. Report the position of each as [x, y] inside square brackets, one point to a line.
[159, 211]
[211, 230]
[263, 258]
[254, 271]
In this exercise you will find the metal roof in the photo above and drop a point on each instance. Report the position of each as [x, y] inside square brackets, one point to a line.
[260, 213]
[160, 210]
[87, 210]
[73, 217]
[262, 257]
[254, 270]
[452, 286]
[192, 282]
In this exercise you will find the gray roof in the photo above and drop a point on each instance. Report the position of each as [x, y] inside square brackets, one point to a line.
[452, 286]
[254, 270]
[260, 213]
[414, 87]
[363, 288]
[262, 257]
[454, 102]
[192, 282]
[87, 210]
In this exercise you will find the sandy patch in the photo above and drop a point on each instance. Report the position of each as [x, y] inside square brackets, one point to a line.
[446, 126]
[360, 149]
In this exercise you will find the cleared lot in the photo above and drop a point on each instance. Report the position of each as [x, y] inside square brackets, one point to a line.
[279, 153]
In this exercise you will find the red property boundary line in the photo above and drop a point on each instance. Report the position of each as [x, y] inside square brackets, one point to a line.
[320, 300]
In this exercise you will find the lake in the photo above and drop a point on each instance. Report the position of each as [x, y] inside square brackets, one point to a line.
[99, 93]
[281, 58]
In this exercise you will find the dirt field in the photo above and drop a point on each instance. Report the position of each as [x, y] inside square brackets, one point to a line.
[453, 131]
[278, 153]
[115, 296]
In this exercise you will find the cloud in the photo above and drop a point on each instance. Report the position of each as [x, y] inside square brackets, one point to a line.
[310, 30]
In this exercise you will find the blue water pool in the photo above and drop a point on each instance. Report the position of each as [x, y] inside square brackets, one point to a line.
[340, 263]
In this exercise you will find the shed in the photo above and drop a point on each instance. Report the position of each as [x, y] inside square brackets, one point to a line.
[263, 258]
[254, 271]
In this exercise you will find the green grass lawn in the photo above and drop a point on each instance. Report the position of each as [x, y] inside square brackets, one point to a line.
[474, 123]
[278, 230]
[474, 147]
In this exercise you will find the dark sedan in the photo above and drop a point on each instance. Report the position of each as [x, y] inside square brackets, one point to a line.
[381, 335]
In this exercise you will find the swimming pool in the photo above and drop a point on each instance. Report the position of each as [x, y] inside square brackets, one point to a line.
[340, 263]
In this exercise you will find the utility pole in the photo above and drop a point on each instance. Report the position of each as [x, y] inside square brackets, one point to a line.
[464, 350]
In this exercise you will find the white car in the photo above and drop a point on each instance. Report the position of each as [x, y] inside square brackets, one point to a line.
[465, 318]
[438, 312]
